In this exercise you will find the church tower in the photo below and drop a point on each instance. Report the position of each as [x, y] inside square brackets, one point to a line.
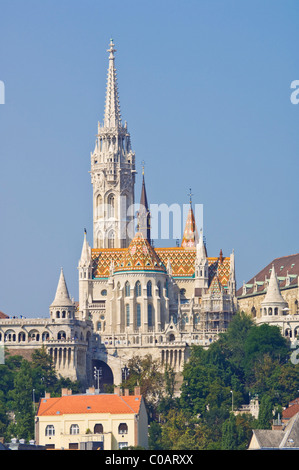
[112, 173]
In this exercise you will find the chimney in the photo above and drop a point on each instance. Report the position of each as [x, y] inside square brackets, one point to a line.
[127, 392]
[117, 391]
[91, 390]
[47, 395]
[137, 390]
[65, 392]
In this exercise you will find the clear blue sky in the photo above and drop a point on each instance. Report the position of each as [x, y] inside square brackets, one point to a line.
[205, 88]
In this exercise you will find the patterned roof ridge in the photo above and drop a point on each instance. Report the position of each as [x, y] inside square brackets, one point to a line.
[139, 256]
[215, 288]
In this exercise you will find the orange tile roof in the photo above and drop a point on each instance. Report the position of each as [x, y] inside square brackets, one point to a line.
[182, 262]
[82, 404]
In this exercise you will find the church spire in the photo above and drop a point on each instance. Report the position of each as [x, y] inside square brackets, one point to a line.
[112, 172]
[112, 117]
[143, 217]
[190, 236]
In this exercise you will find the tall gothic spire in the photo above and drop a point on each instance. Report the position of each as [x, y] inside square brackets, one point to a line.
[143, 222]
[112, 117]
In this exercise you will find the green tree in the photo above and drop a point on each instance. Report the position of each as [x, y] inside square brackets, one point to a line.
[21, 404]
[265, 416]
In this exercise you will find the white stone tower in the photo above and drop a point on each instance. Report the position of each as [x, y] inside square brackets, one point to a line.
[112, 173]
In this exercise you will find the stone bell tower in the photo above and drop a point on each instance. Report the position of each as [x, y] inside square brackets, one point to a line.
[112, 173]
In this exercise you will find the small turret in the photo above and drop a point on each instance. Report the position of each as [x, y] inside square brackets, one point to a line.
[62, 305]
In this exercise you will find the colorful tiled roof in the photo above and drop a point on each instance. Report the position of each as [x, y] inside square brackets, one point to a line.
[139, 256]
[215, 287]
[190, 236]
[182, 262]
[82, 404]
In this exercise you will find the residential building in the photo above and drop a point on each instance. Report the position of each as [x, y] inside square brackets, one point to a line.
[284, 437]
[92, 421]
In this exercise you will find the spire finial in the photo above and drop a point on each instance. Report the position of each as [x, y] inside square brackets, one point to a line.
[190, 196]
[143, 163]
[111, 49]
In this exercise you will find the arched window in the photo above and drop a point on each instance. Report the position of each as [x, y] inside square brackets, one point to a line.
[127, 315]
[99, 205]
[111, 239]
[149, 289]
[98, 429]
[111, 205]
[138, 316]
[159, 288]
[74, 429]
[61, 335]
[123, 428]
[127, 289]
[150, 315]
[50, 430]
[138, 289]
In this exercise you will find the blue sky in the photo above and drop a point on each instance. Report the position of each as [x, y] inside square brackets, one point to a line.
[205, 88]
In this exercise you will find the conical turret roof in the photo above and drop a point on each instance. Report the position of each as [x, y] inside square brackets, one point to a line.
[62, 298]
[139, 256]
[273, 295]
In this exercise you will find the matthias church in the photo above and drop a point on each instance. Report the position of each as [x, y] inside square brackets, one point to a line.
[134, 298]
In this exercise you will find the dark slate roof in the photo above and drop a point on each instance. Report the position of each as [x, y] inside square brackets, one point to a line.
[284, 266]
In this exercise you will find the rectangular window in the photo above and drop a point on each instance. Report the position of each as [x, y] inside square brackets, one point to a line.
[121, 445]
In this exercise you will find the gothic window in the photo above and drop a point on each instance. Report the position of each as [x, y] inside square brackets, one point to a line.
[138, 289]
[150, 315]
[149, 289]
[99, 206]
[111, 237]
[138, 317]
[127, 289]
[50, 430]
[61, 335]
[74, 429]
[127, 315]
[111, 205]
[159, 289]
